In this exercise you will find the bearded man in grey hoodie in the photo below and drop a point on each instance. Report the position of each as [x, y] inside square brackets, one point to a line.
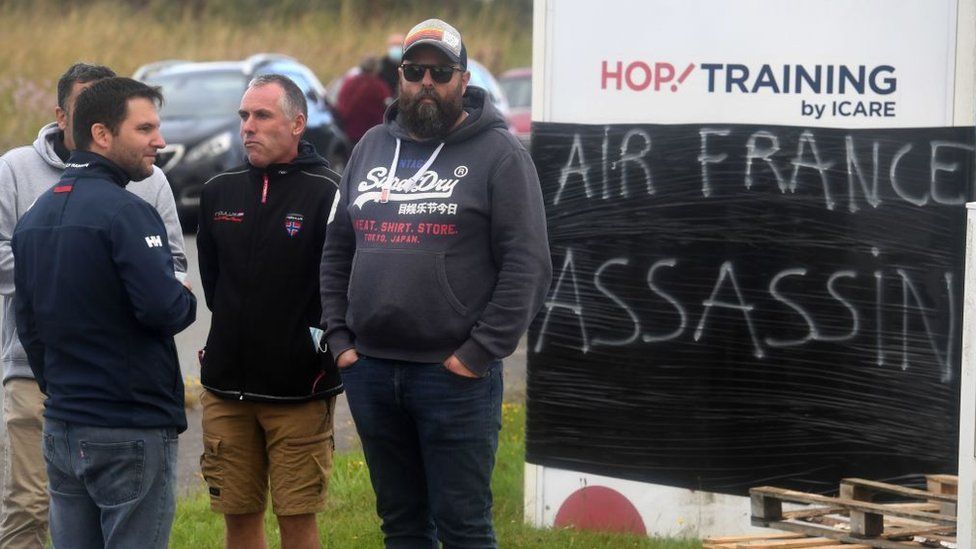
[436, 261]
[25, 173]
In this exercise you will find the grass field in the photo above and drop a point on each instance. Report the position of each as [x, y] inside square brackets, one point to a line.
[49, 35]
[350, 520]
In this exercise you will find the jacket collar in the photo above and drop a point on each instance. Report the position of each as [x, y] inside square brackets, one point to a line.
[89, 164]
[307, 158]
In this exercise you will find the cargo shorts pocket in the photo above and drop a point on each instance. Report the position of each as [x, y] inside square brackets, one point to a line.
[300, 479]
[210, 466]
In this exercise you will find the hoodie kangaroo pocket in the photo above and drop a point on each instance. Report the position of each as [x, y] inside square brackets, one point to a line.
[403, 299]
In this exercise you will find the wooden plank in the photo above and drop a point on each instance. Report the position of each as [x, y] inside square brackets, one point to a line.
[870, 486]
[786, 544]
[765, 494]
[729, 542]
[908, 533]
[754, 537]
[812, 512]
[822, 531]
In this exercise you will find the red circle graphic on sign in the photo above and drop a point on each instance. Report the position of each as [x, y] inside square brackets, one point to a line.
[602, 509]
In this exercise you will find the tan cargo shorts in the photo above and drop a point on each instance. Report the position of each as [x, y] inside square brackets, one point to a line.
[247, 443]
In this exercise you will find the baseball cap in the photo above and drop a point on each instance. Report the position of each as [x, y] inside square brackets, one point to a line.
[437, 33]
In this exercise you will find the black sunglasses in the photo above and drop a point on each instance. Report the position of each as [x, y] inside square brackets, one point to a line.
[441, 74]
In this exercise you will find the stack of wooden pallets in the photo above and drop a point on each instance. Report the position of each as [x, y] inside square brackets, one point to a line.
[909, 518]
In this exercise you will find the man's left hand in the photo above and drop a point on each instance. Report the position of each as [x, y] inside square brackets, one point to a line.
[454, 364]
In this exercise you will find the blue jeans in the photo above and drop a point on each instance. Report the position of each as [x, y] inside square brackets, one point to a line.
[430, 438]
[112, 488]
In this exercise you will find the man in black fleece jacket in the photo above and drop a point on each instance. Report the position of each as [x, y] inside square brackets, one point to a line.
[270, 384]
[435, 262]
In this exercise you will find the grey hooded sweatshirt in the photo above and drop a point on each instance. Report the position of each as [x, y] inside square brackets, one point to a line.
[449, 254]
[25, 173]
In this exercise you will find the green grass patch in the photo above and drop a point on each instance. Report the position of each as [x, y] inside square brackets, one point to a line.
[350, 519]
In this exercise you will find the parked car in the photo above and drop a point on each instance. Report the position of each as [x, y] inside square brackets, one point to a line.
[517, 86]
[202, 128]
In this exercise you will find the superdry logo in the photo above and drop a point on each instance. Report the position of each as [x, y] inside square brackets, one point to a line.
[154, 241]
[430, 185]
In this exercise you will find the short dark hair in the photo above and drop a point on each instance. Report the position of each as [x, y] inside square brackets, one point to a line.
[107, 102]
[293, 102]
[82, 73]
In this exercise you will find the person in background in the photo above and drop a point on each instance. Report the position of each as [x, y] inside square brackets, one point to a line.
[25, 173]
[440, 211]
[390, 63]
[97, 305]
[363, 100]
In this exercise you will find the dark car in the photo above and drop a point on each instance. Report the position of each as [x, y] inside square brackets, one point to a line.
[201, 125]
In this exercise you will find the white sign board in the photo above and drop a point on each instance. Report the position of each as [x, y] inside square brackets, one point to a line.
[824, 63]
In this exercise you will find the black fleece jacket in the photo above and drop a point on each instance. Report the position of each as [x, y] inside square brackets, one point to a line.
[260, 243]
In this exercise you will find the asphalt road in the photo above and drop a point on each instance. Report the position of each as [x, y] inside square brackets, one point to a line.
[194, 338]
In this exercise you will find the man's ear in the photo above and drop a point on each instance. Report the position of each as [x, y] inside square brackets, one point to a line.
[298, 125]
[464, 82]
[61, 116]
[101, 135]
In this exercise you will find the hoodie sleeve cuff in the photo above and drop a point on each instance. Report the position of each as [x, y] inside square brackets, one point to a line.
[339, 341]
[475, 357]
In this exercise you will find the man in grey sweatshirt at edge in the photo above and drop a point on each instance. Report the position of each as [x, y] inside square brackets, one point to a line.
[25, 173]
[435, 263]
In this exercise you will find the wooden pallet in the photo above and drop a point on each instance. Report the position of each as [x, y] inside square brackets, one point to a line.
[776, 541]
[922, 518]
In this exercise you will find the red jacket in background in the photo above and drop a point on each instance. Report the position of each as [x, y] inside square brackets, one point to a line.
[361, 103]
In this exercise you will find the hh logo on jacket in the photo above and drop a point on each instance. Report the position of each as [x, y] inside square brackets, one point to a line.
[154, 241]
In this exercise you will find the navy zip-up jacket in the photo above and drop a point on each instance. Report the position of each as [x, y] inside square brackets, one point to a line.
[97, 302]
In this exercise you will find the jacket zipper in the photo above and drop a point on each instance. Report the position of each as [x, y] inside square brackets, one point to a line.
[265, 183]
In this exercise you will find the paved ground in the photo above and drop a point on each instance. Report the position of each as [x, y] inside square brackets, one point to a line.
[194, 337]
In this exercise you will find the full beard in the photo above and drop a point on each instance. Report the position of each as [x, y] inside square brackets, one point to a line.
[136, 170]
[427, 120]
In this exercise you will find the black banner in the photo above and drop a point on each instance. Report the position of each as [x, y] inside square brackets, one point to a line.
[737, 305]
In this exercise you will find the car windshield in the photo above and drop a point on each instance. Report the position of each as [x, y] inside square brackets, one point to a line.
[518, 91]
[200, 94]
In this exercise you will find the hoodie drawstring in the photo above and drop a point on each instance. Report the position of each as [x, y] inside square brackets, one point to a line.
[409, 183]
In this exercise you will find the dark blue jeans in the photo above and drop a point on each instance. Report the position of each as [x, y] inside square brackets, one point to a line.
[430, 438]
[111, 488]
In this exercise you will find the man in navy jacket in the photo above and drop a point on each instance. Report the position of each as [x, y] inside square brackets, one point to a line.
[97, 305]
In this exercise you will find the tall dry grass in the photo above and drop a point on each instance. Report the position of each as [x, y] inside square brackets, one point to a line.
[41, 38]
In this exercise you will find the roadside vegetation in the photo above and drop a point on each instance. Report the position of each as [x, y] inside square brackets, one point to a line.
[350, 520]
[42, 37]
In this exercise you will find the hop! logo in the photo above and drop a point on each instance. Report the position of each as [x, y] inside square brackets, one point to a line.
[638, 75]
